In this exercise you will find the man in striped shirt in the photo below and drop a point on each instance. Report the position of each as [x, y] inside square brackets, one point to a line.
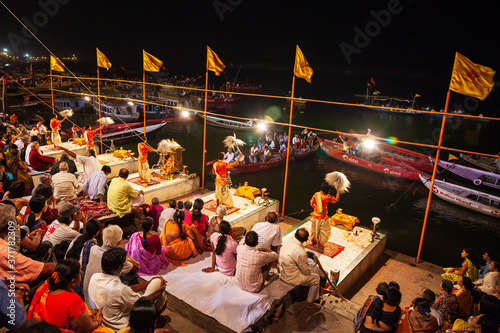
[250, 263]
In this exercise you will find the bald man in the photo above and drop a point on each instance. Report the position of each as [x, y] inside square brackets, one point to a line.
[66, 186]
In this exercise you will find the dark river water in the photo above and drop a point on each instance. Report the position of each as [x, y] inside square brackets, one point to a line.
[398, 203]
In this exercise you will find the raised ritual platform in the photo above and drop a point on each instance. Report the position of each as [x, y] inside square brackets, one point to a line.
[163, 189]
[350, 254]
[106, 159]
[51, 151]
[244, 214]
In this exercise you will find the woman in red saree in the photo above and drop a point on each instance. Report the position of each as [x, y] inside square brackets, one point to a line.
[56, 303]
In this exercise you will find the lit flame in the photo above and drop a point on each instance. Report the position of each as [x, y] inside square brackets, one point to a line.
[261, 126]
[87, 98]
[184, 114]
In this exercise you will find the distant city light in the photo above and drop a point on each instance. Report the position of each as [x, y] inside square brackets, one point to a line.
[130, 103]
[27, 55]
[5, 50]
[87, 98]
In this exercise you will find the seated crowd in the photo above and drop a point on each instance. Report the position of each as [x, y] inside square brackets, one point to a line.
[469, 305]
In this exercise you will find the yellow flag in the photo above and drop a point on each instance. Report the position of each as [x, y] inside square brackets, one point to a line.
[471, 79]
[213, 62]
[452, 157]
[102, 61]
[151, 64]
[56, 64]
[417, 95]
[302, 68]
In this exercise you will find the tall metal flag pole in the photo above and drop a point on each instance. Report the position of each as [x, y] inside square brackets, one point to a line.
[99, 101]
[480, 87]
[288, 146]
[204, 130]
[301, 69]
[433, 177]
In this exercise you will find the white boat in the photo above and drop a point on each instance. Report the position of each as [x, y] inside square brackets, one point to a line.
[232, 124]
[463, 196]
[76, 104]
[476, 176]
[122, 110]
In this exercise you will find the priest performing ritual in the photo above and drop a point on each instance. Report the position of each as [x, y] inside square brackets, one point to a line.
[144, 171]
[321, 227]
[55, 126]
[222, 194]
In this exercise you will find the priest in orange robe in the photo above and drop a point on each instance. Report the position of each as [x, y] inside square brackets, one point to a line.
[54, 126]
[222, 194]
[321, 228]
[144, 171]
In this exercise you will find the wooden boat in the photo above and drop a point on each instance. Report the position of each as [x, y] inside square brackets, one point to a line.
[124, 111]
[384, 165]
[221, 100]
[417, 160]
[465, 197]
[130, 133]
[301, 154]
[477, 177]
[276, 160]
[483, 162]
[228, 123]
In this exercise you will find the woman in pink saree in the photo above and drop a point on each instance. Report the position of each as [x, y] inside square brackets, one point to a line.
[147, 250]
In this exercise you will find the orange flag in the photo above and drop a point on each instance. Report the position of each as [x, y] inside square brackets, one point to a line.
[471, 79]
[56, 64]
[302, 68]
[102, 60]
[151, 64]
[213, 62]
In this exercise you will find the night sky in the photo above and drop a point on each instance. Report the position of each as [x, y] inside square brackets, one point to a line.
[412, 47]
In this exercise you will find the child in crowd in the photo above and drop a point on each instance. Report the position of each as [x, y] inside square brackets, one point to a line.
[187, 211]
[154, 212]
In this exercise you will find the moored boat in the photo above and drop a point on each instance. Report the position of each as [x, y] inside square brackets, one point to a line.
[477, 177]
[229, 123]
[383, 164]
[130, 133]
[276, 160]
[483, 162]
[463, 196]
[124, 111]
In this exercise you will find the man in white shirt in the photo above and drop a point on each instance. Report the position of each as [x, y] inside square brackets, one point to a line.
[254, 154]
[296, 140]
[63, 229]
[295, 269]
[96, 186]
[116, 299]
[269, 233]
[490, 280]
[42, 130]
[66, 186]
[90, 163]
[28, 149]
[229, 156]
[167, 214]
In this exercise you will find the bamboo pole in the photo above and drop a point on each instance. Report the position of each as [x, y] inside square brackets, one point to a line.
[52, 92]
[144, 98]
[288, 146]
[433, 177]
[99, 101]
[204, 131]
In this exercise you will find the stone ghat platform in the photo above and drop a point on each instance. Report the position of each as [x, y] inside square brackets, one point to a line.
[356, 257]
[163, 189]
[245, 213]
[106, 159]
[51, 151]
